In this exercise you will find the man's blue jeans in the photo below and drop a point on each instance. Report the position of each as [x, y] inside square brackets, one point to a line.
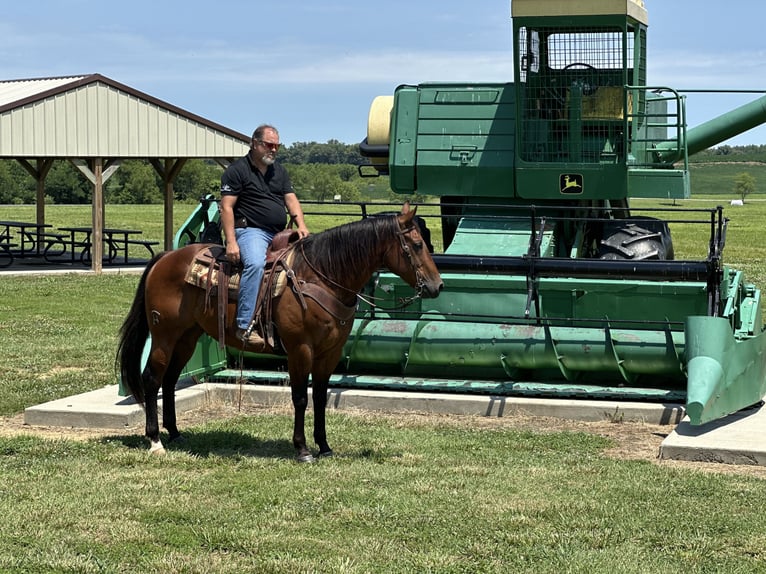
[253, 243]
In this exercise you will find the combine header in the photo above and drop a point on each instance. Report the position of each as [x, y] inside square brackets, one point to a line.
[554, 287]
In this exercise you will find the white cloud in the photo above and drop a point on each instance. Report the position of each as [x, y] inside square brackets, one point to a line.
[400, 67]
[701, 70]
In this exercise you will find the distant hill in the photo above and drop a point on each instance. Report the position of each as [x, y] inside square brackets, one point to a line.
[714, 170]
[727, 153]
[717, 178]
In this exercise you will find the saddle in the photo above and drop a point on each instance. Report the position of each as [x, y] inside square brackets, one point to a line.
[210, 271]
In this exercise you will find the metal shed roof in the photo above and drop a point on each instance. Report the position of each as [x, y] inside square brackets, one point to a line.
[95, 123]
[94, 116]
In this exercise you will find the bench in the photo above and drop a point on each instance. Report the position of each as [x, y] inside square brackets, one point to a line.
[147, 244]
[55, 245]
[117, 246]
[5, 252]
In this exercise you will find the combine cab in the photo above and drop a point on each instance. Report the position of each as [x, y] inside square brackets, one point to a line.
[553, 285]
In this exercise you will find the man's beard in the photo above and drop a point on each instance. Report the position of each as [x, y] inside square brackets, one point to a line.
[268, 159]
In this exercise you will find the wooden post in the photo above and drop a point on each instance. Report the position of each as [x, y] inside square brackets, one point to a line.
[168, 172]
[97, 237]
[168, 235]
[39, 172]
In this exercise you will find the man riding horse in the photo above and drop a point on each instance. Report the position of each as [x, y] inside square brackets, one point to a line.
[255, 190]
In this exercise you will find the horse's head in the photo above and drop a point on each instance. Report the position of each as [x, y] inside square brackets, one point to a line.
[412, 261]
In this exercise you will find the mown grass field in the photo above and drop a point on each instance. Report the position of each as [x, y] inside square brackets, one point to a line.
[406, 494]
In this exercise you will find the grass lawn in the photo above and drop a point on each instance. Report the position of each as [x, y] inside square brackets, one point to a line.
[406, 494]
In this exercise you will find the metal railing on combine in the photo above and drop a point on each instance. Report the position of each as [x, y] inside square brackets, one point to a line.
[661, 124]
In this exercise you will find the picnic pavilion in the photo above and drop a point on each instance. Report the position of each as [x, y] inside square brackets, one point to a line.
[95, 123]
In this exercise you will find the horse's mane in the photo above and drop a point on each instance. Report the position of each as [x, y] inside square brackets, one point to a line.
[341, 249]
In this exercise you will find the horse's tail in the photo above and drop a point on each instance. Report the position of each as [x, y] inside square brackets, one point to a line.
[133, 335]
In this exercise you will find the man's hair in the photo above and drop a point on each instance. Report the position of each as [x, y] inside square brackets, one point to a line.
[258, 133]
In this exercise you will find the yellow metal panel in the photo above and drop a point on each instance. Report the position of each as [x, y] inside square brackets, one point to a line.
[633, 8]
[604, 104]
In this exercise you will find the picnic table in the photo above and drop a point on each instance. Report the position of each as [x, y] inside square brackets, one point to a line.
[30, 237]
[79, 243]
[6, 253]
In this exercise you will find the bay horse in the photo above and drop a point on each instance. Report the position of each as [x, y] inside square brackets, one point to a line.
[339, 261]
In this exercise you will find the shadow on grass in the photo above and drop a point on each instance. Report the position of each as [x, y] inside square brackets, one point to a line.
[236, 445]
[208, 443]
[233, 444]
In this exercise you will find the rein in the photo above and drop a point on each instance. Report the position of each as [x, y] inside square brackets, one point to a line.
[369, 299]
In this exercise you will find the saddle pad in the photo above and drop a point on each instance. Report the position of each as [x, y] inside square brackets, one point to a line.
[204, 272]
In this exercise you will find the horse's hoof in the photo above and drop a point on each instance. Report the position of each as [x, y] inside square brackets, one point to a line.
[158, 451]
[326, 454]
[304, 458]
[178, 439]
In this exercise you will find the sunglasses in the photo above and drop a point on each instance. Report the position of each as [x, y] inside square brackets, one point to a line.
[270, 145]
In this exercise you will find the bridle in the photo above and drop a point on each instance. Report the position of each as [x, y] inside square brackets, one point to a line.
[369, 299]
[420, 281]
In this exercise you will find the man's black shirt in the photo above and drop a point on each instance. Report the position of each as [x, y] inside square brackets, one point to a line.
[260, 197]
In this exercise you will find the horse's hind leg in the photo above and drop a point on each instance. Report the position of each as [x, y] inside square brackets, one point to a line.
[160, 369]
[153, 373]
[182, 352]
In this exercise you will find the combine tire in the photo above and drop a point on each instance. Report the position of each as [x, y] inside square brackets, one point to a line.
[647, 239]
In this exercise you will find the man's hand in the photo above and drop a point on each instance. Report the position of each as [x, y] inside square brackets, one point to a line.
[232, 252]
[227, 223]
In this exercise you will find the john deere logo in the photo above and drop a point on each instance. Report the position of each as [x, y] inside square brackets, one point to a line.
[570, 183]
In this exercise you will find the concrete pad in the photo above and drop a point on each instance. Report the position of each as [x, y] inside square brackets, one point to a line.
[478, 405]
[104, 408]
[736, 439]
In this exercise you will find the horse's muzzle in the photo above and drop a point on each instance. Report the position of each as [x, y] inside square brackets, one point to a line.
[431, 289]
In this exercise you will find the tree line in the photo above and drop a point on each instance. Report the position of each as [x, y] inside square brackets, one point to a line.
[726, 153]
[319, 171]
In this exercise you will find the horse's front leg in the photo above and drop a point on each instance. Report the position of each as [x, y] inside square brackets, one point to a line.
[299, 360]
[319, 398]
[300, 402]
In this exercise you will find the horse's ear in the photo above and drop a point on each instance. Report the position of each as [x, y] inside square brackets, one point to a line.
[407, 211]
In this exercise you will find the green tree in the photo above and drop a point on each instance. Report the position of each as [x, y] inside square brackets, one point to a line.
[744, 185]
[65, 184]
[302, 177]
[325, 186]
[16, 185]
[332, 152]
[196, 179]
[135, 182]
[349, 191]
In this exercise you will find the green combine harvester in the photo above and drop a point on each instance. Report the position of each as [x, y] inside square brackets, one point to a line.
[553, 286]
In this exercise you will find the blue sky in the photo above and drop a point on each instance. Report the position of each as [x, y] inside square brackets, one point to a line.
[312, 68]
